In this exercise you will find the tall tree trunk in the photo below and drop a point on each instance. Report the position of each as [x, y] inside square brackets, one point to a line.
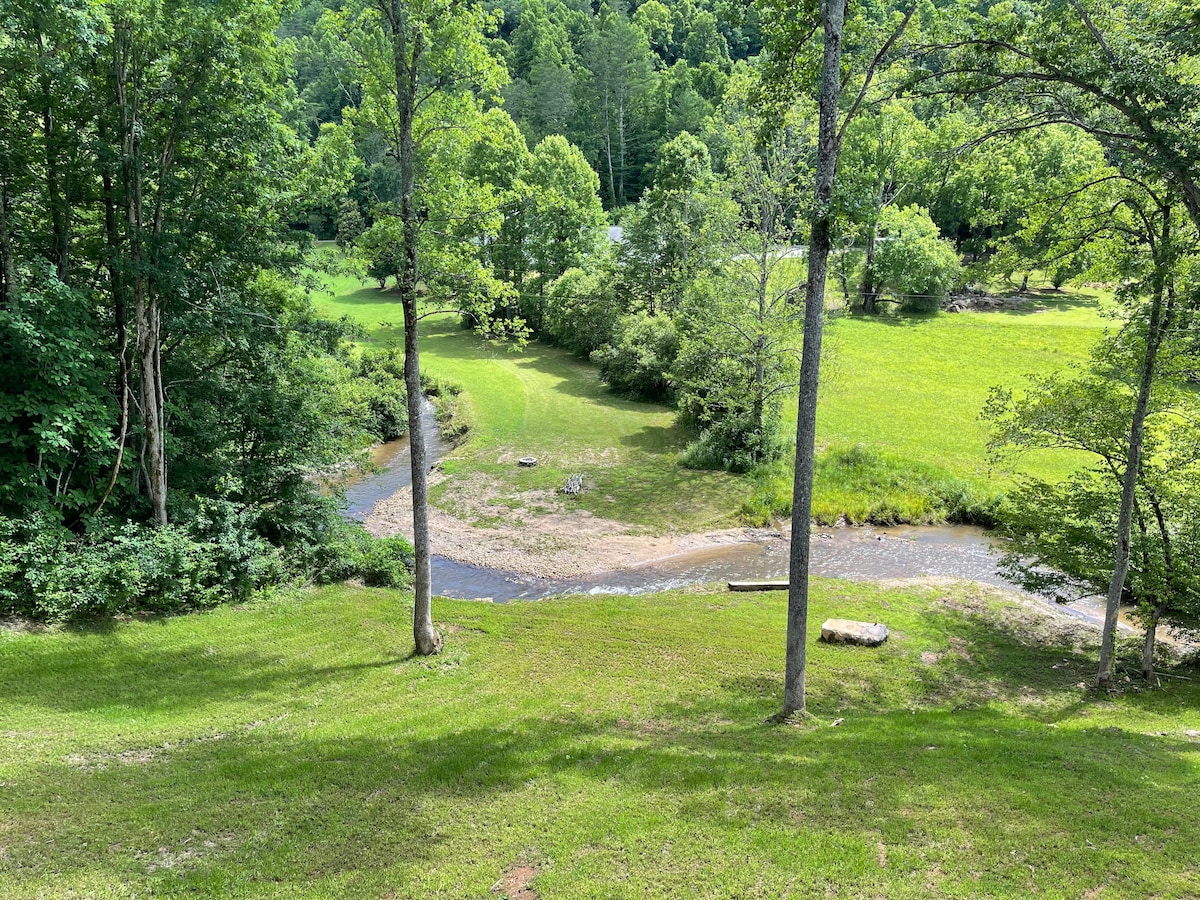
[149, 335]
[612, 183]
[1105, 679]
[1164, 534]
[1148, 642]
[833, 14]
[121, 347]
[146, 313]
[407, 46]
[621, 147]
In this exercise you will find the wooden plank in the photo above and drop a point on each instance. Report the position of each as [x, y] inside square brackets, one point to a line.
[758, 585]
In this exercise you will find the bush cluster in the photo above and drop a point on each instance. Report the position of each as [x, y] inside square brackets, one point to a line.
[219, 555]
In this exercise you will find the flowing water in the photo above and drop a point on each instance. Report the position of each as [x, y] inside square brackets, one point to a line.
[393, 470]
[866, 553]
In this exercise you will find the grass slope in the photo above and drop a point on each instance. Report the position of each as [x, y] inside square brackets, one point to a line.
[613, 747]
[914, 386]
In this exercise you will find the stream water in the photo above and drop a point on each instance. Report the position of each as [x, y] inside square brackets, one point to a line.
[861, 553]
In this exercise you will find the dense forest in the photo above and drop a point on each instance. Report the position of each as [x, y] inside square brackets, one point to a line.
[633, 183]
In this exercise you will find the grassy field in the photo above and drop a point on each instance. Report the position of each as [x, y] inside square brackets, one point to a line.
[547, 403]
[597, 747]
[908, 387]
[914, 385]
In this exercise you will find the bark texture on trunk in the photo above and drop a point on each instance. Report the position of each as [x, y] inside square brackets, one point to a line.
[820, 242]
[147, 317]
[1105, 679]
[1148, 643]
[407, 47]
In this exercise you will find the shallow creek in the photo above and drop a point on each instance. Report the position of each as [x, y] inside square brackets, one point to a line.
[866, 553]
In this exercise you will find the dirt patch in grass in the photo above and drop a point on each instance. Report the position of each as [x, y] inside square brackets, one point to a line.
[516, 882]
[559, 542]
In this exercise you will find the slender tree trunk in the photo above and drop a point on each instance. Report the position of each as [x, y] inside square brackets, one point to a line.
[869, 289]
[1164, 533]
[1148, 643]
[121, 348]
[612, 183]
[146, 313]
[150, 381]
[407, 46]
[621, 146]
[1105, 679]
[820, 242]
[9, 292]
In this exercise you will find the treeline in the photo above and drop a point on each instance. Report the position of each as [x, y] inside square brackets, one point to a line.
[167, 394]
[616, 81]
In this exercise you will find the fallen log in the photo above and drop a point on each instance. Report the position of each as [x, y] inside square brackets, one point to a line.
[758, 585]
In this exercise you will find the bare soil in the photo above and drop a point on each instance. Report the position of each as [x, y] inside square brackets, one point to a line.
[536, 533]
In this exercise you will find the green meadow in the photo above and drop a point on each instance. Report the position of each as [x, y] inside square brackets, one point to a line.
[914, 385]
[588, 748]
[901, 400]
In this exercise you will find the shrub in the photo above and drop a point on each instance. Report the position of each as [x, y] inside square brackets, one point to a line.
[913, 261]
[218, 555]
[581, 311]
[861, 485]
[642, 352]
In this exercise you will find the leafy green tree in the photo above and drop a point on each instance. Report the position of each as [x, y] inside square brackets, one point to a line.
[674, 233]
[790, 42]
[566, 220]
[638, 360]
[704, 43]
[582, 309]
[914, 262]
[654, 20]
[1125, 74]
[350, 224]
[739, 326]
[424, 64]
[1062, 534]
[876, 166]
[619, 69]
[541, 95]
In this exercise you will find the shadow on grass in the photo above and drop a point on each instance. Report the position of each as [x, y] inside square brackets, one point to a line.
[106, 673]
[322, 806]
[935, 773]
[1047, 300]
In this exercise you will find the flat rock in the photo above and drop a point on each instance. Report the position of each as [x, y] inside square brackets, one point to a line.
[847, 631]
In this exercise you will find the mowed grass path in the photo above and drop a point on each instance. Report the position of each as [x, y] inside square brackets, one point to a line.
[912, 387]
[616, 746]
[545, 402]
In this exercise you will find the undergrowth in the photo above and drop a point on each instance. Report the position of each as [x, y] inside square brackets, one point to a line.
[859, 485]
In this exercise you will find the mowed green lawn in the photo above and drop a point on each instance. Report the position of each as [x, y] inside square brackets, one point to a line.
[613, 747]
[912, 387]
[545, 402]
